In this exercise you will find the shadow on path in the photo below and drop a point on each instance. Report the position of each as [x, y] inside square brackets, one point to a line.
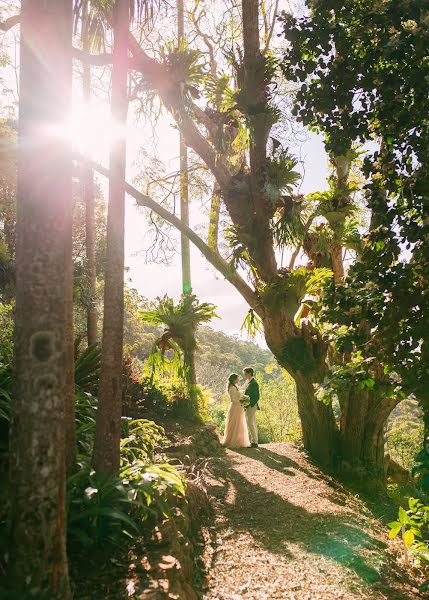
[277, 524]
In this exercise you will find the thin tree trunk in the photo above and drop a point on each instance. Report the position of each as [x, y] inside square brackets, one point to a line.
[191, 375]
[9, 227]
[184, 179]
[70, 391]
[213, 237]
[88, 198]
[108, 426]
[38, 561]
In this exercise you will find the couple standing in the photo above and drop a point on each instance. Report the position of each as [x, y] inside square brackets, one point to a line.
[240, 424]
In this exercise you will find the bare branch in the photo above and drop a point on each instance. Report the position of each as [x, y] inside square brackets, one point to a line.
[273, 24]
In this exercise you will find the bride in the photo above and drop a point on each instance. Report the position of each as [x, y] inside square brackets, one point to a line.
[236, 435]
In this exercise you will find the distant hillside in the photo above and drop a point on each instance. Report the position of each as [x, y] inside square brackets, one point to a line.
[219, 354]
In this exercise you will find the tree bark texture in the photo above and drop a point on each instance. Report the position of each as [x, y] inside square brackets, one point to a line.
[108, 425]
[38, 562]
[361, 444]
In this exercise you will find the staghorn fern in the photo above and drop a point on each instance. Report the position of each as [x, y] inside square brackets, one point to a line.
[180, 323]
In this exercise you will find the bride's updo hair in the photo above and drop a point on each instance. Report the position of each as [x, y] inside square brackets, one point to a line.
[232, 379]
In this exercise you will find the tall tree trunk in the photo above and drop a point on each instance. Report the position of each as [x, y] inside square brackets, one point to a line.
[88, 198]
[191, 374]
[184, 178]
[9, 227]
[38, 559]
[108, 426]
[336, 252]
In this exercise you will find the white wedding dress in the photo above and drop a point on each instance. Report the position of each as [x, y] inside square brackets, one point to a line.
[236, 434]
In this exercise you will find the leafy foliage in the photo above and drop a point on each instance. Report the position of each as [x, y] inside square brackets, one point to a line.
[289, 288]
[107, 509]
[87, 368]
[412, 524]
[181, 321]
[360, 66]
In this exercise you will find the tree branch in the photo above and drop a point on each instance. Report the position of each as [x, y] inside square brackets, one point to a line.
[10, 22]
[97, 60]
[215, 259]
[171, 95]
[273, 24]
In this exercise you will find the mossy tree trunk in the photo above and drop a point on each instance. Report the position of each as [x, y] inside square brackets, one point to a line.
[108, 425]
[38, 562]
[302, 352]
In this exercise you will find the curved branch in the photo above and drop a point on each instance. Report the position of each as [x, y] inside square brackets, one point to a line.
[215, 259]
[10, 22]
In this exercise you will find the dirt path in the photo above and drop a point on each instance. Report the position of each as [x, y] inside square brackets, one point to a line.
[285, 530]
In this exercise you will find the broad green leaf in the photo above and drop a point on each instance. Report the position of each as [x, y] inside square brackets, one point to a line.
[408, 538]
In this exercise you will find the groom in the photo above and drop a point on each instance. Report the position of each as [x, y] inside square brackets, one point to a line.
[252, 390]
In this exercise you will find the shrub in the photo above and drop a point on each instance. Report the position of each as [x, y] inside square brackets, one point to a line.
[404, 441]
[105, 509]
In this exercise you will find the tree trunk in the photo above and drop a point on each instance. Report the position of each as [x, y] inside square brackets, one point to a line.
[191, 374]
[184, 179]
[70, 390]
[108, 426]
[302, 352]
[88, 198]
[38, 562]
[318, 423]
[91, 269]
[9, 226]
[213, 236]
[363, 416]
[336, 252]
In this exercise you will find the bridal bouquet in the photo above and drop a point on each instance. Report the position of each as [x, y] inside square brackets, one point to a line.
[245, 401]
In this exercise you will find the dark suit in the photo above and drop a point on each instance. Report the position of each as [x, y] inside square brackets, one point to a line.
[252, 391]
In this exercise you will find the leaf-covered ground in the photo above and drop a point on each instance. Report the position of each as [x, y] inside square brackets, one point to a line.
[284, 530]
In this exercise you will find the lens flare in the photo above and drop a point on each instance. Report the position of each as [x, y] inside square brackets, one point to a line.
[92, 130]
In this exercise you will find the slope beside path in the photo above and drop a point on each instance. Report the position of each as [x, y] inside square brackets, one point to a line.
[284, 530]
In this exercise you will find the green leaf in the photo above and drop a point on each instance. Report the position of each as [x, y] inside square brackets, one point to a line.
[408, 538]
[402, 516]
[395, 528]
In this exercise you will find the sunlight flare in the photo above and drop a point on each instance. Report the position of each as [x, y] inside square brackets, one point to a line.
[92, 129]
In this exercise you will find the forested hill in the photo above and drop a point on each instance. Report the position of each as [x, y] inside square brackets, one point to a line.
[230, 352]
